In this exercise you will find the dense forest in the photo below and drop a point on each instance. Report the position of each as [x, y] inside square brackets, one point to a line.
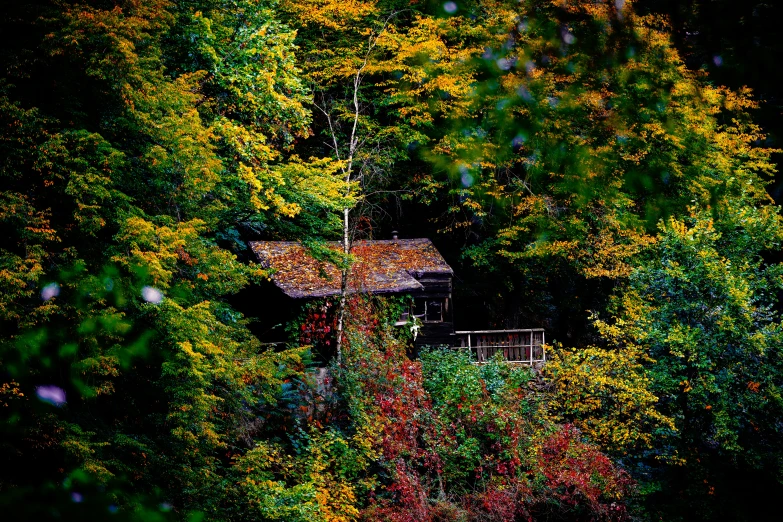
[605, 170]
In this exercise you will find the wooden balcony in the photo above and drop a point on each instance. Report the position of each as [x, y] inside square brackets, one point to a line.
[517, 346]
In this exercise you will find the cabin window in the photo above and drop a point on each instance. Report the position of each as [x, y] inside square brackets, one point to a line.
[434, 311]
[429, 310]
[405, 318]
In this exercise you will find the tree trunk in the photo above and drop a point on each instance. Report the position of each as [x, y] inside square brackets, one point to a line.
[343, 288]
[353, 145]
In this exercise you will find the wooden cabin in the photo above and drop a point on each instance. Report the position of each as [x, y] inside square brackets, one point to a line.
[384, 267]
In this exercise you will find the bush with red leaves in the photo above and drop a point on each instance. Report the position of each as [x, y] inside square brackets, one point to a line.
[458, 441]
[580, 478]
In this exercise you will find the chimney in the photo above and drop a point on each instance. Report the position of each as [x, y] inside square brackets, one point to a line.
[394, 234]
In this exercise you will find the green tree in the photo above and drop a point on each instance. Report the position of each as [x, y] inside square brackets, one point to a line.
[703, 309]
[142, 143]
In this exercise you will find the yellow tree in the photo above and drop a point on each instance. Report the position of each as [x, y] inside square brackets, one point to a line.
[340, 48]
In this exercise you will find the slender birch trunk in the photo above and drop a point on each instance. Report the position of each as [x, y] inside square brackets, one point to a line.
[343, 287]
[353, 145]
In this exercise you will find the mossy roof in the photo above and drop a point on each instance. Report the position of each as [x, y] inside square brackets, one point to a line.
[379, 266]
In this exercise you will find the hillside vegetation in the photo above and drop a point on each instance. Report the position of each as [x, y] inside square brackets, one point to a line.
[575, 173]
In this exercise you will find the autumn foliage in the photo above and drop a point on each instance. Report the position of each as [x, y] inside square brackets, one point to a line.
[459, 441]
[574, 169]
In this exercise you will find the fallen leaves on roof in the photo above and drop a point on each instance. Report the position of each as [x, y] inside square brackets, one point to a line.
[384, 266]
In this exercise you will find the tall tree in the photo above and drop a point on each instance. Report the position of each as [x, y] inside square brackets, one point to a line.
[142, 143]
[341, 49]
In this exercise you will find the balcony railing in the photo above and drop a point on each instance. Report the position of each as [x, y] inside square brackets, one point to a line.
[519, 346]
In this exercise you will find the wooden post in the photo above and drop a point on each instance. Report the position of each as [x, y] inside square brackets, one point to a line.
[532, 340]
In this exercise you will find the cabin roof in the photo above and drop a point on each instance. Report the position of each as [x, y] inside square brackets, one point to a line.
[380, 266]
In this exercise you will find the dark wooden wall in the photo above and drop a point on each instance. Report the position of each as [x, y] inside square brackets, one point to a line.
[436, 286]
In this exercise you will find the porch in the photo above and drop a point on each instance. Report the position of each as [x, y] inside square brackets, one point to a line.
[525, 346]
